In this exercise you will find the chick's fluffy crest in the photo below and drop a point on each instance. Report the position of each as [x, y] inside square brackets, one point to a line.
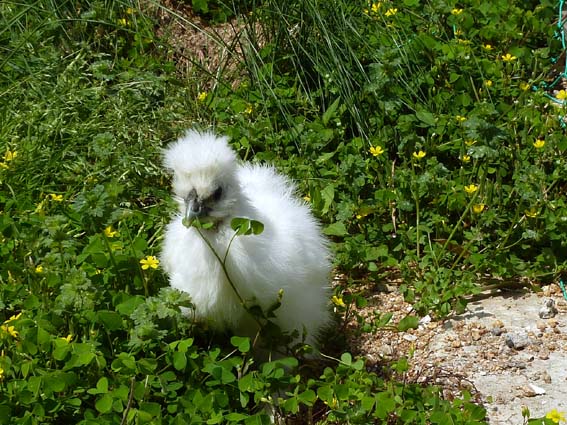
[200, 156]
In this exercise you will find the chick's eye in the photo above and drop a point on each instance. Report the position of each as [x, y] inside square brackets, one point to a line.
[217, 194]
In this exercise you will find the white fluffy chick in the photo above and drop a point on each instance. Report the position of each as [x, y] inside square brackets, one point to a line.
[291, 255]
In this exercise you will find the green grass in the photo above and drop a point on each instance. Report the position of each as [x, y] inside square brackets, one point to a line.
[89, 97]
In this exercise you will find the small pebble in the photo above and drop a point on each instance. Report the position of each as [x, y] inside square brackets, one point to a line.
[548, 310]
[517, 341]
[497, 331]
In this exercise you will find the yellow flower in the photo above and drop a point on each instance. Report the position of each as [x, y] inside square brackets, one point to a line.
[376, 151]
[202, 96]
[129, 11]
[149, 261]
[478, 208]
[1, 373]
[488, 83]
[12, 318]
[55, 197]
[109, 232]
[10, 156]
[248, 109]
[524, 86]
[471, 188]
[561, 95]
[39, 269]
[556, 416]
[307, 198]
[460, 118]
[488, 47]
[532, 212]
[376, 6]
[122, 22]
[4, 165]
[458, 32]
[539, 143]
[68, 338]
[509, 58]
[391, 12]
[10, 330]
[419, 155]
[466, 158]
[456, 11]
[338, 301]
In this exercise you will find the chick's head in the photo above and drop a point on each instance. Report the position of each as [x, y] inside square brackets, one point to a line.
[204, 176]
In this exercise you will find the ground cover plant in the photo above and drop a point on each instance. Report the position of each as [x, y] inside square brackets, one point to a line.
[421, 134]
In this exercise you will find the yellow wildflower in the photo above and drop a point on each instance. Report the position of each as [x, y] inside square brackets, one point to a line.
[488, 83]
[561, 95]
[488, 47]
[419, 155]
[466, 158]
[539, 143]
[129, 11]
[509, 58]
[376, 150]
[4, 165]
[458, 32]
[10, 330]
[532, 212]
[460, 118]
[149, 261]
[478, 208]
[55, 197]
[68, 338]
[122, 22]
[1, 373]
[524, 86]
[12, 318]
[556, 416]
[202, 96]
[109, 232]
[10, 156]
[456, 11]
[391, 12]
[39, 269]
[338, 301]
[248, 109]
[471, 188]
[376, 6]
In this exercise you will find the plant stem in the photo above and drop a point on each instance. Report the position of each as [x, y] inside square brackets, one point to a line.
[222, 263]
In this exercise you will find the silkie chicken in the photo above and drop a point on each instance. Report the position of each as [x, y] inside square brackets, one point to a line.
[290, 259]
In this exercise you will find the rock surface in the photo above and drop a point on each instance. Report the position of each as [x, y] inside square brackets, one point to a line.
[500, 349]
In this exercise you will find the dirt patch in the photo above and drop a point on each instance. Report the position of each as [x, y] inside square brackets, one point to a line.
[198, 47]
[501, 350]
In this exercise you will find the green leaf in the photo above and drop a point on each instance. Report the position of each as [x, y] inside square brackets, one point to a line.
[245, 226]
[111, 320]
[104, 404]
[101, 387]
[330, 112]
[242, 343]
[336, 229]
[327, 195]
[408, 322]
[426, 117]
[179, 360]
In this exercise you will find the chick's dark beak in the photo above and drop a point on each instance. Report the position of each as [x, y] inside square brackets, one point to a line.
[194, 209]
